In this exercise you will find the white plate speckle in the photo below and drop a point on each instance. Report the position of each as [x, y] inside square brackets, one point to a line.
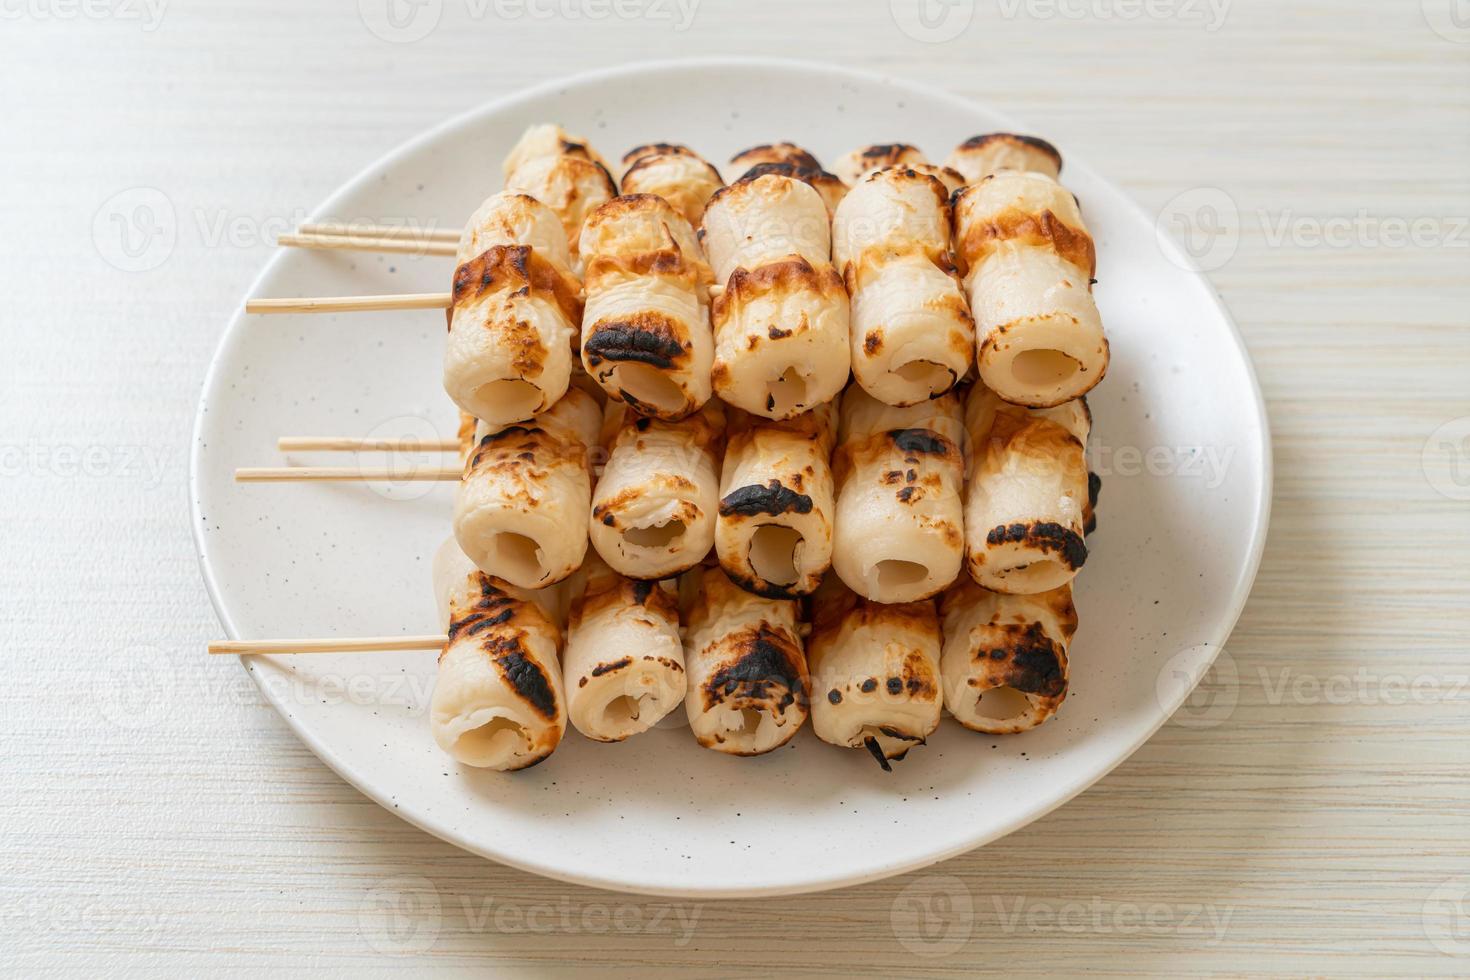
[1179, 436]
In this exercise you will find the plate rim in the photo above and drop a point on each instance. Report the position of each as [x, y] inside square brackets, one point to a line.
[446, 832]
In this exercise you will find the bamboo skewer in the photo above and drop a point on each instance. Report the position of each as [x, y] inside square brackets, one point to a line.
[348, 474]
[407, 246]
[344, 645]
[351, 304]
[349, 444]
[379, 231]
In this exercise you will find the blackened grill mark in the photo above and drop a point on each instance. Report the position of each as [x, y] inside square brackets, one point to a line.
[621, 341]
[1035, 666]
[975, 142]
[763, 671]
[504, 616]
[525, 675]
[1066, 544]
[772, 499]
[601, 669]
[907, 494]
[918, 441]
[876, 751]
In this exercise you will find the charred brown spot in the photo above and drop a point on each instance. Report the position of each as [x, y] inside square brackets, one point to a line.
[641, 591]
[772, 499]
[762, 588]
[776, 333]
[1063, 543]
[777, 153]
[647, 338]
[870, 685]
[656, 149]
[515, 269]
[1036, 143]
[873, 342]
[1013, 224]
[834, 696]
[919, 441]
[876, 751]
[907, 494]
[812, 175]
[765, 670]
[523, 674]
[601, 669]
[1035, 662]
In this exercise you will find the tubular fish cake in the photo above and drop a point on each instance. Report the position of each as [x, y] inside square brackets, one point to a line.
[498, 700]
[653, 514]
[898, 535]
[515, 310]
[912, 334]
[624, 660]
[645, 332]
[1029, 263]
[774, 532]
[521, 510]
[748, 682]
[875, 671]
[1004, 664]
[1027, 494]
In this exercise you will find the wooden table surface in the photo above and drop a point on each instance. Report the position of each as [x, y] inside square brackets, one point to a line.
[1309, 814]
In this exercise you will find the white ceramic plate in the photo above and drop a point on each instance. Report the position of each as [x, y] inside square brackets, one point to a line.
[1179, 436]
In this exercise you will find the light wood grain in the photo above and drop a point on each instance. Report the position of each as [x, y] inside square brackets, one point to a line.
[159, 817]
